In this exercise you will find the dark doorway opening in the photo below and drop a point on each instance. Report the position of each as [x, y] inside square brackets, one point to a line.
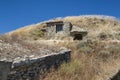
[78, 37]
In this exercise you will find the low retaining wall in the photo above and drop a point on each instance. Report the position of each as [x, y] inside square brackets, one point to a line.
[30, 69]
[4, 69]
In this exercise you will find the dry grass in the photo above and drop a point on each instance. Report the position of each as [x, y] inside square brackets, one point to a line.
[13, 48]
[91, 60]
[95, 25]
[28, 32]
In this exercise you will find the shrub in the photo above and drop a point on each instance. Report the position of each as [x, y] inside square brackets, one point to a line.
[102, 36]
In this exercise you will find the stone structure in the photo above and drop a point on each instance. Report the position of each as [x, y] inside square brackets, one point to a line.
[60, 28]
[78, 33]
[4, 69]
[31, 68]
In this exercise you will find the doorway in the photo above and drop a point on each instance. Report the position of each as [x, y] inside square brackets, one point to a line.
[78, 37]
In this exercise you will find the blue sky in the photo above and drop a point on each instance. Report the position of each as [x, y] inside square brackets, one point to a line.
[18, 13]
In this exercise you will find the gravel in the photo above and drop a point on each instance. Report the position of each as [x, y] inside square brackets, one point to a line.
[16, 51]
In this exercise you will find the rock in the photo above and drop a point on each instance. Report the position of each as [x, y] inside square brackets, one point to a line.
[3, 59]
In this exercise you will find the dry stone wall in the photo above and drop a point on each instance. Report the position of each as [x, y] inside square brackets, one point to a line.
[4, 69]
[31, 68]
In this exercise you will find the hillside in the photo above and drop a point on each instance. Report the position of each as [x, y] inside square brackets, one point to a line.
[11, 49]
[96, 57]
[97, 26]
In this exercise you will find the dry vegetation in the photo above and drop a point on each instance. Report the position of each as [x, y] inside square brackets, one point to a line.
[13, 48]
[95, 25]
[91, 60]
[31, 32]
[96, 58]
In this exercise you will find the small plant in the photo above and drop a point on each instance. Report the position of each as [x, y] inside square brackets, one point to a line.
[102, 35]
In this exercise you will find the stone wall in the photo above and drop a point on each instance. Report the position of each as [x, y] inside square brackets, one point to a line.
[4, 69]
[67, 27]
[52, 31]
[32, 68]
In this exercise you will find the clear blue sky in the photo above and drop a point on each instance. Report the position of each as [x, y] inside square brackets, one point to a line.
[18, 13]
